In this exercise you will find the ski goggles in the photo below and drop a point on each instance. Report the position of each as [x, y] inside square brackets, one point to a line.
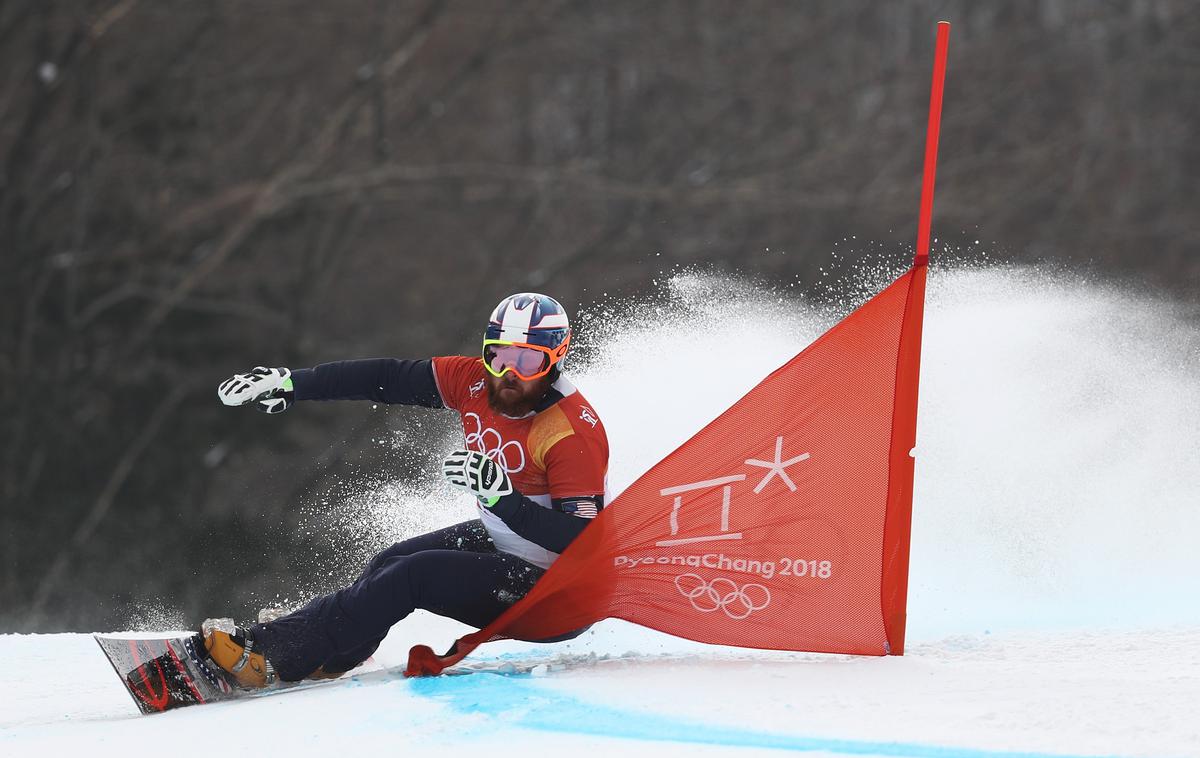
[527, 361]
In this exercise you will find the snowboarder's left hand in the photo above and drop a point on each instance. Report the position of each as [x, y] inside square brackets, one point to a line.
[270, 389]
[478, 474]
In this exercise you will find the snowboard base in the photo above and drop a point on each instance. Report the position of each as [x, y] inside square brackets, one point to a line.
[165, 673]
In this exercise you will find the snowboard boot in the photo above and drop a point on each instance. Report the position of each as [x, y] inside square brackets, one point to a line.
[231, 648]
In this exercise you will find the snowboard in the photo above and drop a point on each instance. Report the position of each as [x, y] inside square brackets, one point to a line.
[164, 673]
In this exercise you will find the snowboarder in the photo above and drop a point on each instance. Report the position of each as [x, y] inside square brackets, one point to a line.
[535, 458]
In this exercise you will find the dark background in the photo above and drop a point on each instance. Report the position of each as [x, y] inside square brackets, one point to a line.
[194, 187]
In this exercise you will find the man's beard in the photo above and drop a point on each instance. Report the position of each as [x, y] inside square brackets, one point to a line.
[518, 407]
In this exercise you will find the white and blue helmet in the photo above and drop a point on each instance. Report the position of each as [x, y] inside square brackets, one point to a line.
[528, 334]
[531, 319]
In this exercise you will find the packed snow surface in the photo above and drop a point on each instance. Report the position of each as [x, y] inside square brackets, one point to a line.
[1053, 606]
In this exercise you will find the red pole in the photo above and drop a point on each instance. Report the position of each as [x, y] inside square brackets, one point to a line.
[897, 530]
[931, 142]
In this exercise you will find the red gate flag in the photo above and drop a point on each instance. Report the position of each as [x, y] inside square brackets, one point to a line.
[784, 524]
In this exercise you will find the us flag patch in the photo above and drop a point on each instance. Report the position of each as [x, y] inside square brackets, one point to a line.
[584, 507]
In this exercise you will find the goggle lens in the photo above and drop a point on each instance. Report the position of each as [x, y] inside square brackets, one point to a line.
[527, 362]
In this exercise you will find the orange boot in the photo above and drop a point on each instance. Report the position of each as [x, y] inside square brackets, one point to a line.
[231, 648]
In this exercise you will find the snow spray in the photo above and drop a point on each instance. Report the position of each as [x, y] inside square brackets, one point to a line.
[1057, 477]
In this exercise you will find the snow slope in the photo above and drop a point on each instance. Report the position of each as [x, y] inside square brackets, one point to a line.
[1126, 693]
[1053, 608]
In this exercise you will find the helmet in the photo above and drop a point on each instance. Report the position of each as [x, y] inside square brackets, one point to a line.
[527, 334]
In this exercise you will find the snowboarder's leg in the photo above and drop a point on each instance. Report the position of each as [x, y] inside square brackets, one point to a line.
[227, 644]
[336, 632]
[469, 536]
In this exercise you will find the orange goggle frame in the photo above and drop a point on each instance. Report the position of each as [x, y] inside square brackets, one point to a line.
[527, 361]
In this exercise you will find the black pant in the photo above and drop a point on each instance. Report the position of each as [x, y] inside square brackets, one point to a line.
[455, 572]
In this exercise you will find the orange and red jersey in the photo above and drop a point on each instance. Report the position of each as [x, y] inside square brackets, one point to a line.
[556, 456]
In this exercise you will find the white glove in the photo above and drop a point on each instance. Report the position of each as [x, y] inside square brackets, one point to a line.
[270, 389]
[478, 474]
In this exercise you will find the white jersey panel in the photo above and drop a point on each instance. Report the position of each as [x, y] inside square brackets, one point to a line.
[508, 541]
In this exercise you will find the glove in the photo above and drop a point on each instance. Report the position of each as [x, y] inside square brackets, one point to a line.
[478, 474]
[270, 389]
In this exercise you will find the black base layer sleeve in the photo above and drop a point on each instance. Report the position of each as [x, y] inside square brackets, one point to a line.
[383, 380]
[548, 528]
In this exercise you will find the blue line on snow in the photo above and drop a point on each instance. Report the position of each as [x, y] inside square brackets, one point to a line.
[523, 703]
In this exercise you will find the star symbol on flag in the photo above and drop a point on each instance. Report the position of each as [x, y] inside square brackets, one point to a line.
[777, 467]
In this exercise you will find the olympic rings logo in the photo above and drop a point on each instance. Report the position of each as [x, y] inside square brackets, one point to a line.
[510, 456]
[723, 594]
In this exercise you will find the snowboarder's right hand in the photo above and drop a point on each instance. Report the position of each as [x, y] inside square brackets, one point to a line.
[478, 474]
[270, 389]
